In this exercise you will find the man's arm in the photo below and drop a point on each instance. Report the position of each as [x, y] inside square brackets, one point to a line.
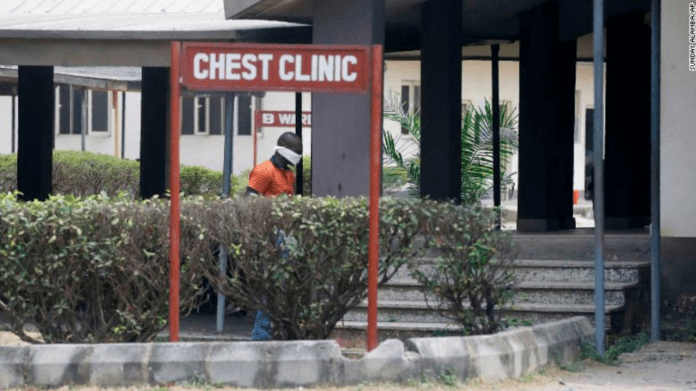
[250, 191]
[259, 180]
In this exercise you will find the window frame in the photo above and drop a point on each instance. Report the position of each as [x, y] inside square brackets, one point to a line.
[414, 101]
[109, 114]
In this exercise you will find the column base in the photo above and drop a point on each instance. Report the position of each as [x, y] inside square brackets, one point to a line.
[567, 223]
[617, 222]
[537, 225]
[626, 222]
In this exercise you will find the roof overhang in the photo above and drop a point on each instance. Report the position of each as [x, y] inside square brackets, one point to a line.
[100, 78]
[481, 19]
[126, 39]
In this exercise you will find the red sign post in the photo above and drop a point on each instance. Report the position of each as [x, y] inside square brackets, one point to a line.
[306, 68]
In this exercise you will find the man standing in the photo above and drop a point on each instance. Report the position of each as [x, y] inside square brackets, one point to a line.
[274, 177]
[269, 179]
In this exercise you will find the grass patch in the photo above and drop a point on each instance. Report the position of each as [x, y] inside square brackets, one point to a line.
[625, 344]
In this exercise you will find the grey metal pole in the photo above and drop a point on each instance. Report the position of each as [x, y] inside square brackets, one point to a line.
[123, 124]
[598, 159]
[83, 128]
[655, 255]
[226, 174]
[71, 105]
[495, 49]
[298, 131]
[13, 123]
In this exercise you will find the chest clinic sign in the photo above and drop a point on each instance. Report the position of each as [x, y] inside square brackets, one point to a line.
[245, 67]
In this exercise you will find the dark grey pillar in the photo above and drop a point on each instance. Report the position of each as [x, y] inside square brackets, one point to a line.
[565, 79]
[545, 156]
[154, 132]
[627, 152]
[35, 139]
[341, 122]
[441, 110]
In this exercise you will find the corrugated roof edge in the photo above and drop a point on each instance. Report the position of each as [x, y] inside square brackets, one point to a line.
[254, 9]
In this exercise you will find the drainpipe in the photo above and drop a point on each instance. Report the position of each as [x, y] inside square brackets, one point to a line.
[599, 173]
[13, 123]
[656, 262]
[226, 173]
[123, 125]
[495, 49]
[83, 129]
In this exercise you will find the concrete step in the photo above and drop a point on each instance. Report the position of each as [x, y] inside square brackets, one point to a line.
[419, 312]
[581, 271]
[559, 270]
[571, 293]
[579, 244]
[548, 292]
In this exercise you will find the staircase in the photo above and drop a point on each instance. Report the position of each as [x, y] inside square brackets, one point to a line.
[555, 273]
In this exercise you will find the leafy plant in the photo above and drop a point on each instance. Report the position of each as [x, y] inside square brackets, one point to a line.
[92, 270]
[303, 261]
[83, 174]
[470, 275]
[625, 344]
[476, 143]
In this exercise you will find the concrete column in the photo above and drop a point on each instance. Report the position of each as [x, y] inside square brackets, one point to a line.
[441, 110]
[627, 150]
[341, 122]
[547, 95]
[36, 123]
[154, 137]
[566, 73]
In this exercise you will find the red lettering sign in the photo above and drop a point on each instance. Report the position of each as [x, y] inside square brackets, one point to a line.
[248, 67]
[280, 119]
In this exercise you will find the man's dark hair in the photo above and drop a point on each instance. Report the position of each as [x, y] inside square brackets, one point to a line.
[291, 141]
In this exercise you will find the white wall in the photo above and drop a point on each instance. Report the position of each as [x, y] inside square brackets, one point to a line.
[207, 150]
[476, 87]
[196, 150]
[678, 125]
[6, 124]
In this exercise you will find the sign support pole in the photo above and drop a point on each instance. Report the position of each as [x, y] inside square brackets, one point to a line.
[174, 228]
[375, 171]
[256, 131]
[298, 131]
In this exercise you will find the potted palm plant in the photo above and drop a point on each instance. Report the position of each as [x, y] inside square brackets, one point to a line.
[477, 147]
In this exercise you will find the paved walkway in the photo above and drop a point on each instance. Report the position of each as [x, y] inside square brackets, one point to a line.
[202, 326]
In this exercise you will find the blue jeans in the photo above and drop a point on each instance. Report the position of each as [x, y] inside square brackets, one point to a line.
[262, 330]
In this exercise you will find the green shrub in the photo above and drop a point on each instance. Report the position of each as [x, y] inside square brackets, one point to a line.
[96, 269]
[308, 282]
[84, 173]
[91, 270]
[624, 344]
[470, 276]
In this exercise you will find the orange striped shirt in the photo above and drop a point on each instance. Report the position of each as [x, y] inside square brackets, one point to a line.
[269, 180]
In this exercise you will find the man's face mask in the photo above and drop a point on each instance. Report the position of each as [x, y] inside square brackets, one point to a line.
[289, 155]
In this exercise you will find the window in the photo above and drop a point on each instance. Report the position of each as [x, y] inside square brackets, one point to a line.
[69, 111]
[245, 117]
[410, 99]
[246, 105]
[202, 115]
[466, 105]
[99, 112]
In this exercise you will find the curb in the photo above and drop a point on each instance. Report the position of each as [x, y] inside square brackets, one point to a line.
[292, 364]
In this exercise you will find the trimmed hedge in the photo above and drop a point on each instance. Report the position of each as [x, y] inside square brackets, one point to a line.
[84, 173]
[96, 270]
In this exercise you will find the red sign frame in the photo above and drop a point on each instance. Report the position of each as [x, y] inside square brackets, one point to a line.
[369, 79]
[251, 67]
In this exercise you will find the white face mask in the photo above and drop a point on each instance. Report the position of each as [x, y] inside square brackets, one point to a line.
[289, 155]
